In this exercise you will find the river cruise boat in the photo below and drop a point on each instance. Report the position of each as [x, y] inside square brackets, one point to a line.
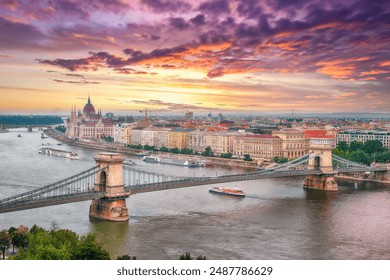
[151, 159]
[179, 161]
[58, 153]
[3, 130]
[234, 191]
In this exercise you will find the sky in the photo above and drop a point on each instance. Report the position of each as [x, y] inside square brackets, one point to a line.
[265, 56]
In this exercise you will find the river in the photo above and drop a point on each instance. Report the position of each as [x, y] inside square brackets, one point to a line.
[277, 220]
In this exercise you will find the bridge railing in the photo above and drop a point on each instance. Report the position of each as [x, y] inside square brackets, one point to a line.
[63, 187]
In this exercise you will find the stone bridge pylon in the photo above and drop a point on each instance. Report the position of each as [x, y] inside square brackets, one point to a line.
[321, 159]
[112, 206]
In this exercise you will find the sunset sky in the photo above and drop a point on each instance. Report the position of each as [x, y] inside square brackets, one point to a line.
[265, 56]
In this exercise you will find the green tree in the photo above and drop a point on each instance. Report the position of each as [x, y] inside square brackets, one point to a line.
[61, 244]
[342, 146]
[280, 159]
[208, 152]
[89, 249]
[164, 149]
[19, 238]
[226, 155]
[5, 241]
[247, 157]
[373, 146]
[175, 150]
[187, 256]
[186, 151]
[354, 146]
[360, 157]
[149, 148]
[383, 157]
[126, 257]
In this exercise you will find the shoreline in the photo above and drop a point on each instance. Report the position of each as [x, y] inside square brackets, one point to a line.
[354, 179]
[119, 148]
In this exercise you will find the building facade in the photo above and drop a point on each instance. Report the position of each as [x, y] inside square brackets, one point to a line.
[363, 136]
[88, 124]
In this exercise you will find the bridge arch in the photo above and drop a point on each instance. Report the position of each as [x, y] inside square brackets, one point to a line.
[103, 181]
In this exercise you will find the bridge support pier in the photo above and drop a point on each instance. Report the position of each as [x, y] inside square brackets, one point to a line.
[323, 182]
[112, 206]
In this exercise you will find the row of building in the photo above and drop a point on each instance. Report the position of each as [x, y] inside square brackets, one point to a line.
[288, 142]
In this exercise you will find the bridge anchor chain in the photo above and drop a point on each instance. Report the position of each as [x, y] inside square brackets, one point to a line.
[112, 206]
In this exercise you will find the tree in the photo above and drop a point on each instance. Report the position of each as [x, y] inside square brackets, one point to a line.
[89, 249]
[5, 241]
[61, 244]
[208, 152]
[164, 149]
[354, 146]
[247, 157]
[280, 159]
[187, 256]
[373, 146]
[361, 157]
[174, 150]
[19, 238]
[342, 146]
[186, 151]
[226, 155]
[149, 148]
[126, 257]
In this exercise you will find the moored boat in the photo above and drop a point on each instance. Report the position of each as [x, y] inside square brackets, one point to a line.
[58, 153]
[228, 191]
[151, 159]
[129, 162]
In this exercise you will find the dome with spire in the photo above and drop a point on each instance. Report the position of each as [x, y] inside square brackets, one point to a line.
[88, 108]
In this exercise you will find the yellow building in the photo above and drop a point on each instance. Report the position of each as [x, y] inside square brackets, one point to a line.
[258, 146]
[178, 138]
[293, 142]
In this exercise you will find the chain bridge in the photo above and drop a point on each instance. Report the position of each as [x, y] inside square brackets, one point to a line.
[110, 182]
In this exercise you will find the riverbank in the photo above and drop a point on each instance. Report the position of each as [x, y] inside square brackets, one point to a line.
[359, 179]
[119, 148]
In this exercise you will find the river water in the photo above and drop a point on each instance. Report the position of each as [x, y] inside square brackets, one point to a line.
[277, 220]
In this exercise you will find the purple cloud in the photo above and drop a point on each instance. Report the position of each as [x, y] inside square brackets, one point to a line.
[179, 23]
[215, 7]
[167, 5]
[17, 35]
[198, 20]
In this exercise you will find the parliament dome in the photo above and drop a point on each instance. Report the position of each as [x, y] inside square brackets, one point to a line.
[88, 108]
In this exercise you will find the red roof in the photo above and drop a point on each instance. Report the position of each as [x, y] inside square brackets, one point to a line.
[318, 134]
[261, 136]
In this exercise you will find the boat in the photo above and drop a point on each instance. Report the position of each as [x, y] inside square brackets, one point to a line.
[58, 153]
[142, 154]
[59, 144]
[228, 191]
[151, 159]
[43, 136]
[129, 162]
[179, 161]
[3, 130]
[19, 135]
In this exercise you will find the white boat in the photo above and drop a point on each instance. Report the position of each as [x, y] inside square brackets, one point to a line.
[129, 162]
[151, 159]
[58, 153]
[228, 191]
[179, 161]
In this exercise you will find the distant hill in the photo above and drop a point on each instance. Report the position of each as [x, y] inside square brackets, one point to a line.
[30, 120]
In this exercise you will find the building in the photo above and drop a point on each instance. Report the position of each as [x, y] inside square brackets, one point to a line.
[258, 146]
[220, 142]
[363, 136]
[196, 140]
[293, 142]
[178, 138]
[88, 124]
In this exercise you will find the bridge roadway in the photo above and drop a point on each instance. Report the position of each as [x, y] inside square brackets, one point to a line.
[179, 183]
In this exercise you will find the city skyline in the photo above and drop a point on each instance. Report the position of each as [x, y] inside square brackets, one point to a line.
[172, 56]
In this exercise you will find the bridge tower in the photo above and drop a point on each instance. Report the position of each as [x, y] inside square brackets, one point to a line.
[320, 151]
[112, 206]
